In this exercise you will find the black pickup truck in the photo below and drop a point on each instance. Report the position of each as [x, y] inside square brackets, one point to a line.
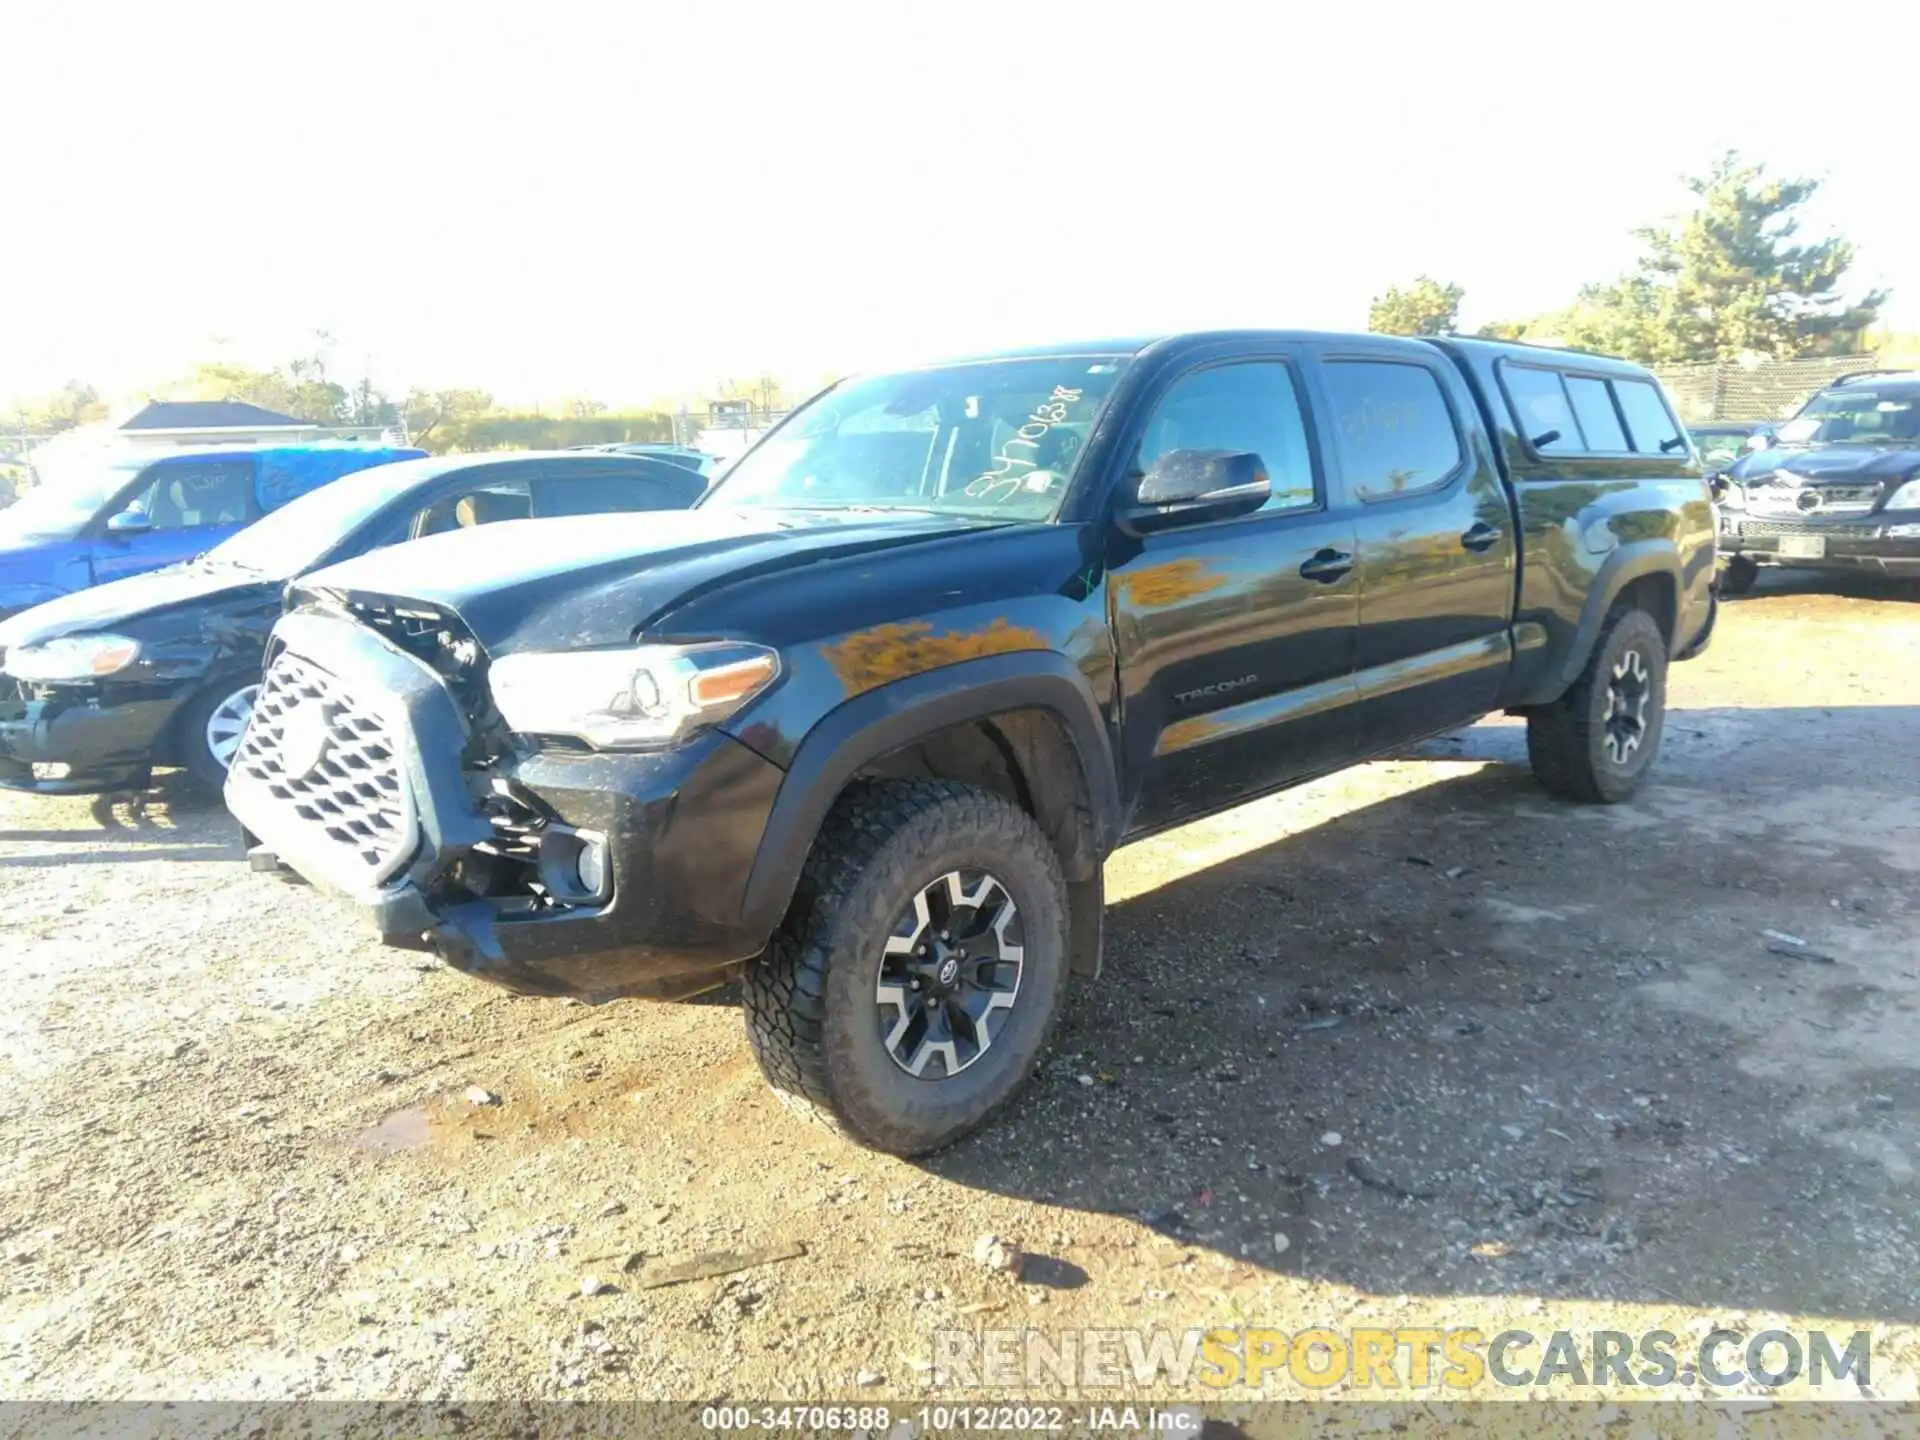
[861, 728]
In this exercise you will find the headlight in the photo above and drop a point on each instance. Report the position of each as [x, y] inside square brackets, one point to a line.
[73, 657]
[649, 695]
[1907, 497]
[1733, 496]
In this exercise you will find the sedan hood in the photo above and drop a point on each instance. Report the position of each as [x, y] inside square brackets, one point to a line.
[1852, 464]
[106, 607]
[589, 580]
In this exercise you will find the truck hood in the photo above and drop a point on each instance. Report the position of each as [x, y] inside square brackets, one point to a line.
[588, 580]
[112, 606]
[1849, 464]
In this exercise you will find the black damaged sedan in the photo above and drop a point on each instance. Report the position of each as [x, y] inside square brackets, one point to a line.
[102, 686]
[1835, 488]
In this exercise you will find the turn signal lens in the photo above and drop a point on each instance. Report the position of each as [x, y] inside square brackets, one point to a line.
[730, 684]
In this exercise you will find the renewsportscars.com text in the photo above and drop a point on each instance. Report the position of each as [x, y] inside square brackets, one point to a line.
[1457, 1359]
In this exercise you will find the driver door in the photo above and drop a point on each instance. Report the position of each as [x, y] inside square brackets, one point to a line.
[1236, 638]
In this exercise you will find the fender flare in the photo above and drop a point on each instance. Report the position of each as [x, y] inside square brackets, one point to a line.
[1628, 563]
[894, 715]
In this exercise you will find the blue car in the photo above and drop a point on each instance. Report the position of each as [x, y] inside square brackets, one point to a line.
[137, 513]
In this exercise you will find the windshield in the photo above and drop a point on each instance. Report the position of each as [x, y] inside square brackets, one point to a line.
[999, 439]
[1720, 446]
[1866, 413]
[60, 509]
[301, 533]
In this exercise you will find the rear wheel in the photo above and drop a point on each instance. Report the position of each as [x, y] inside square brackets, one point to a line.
[211, 727]
[913, 985]
[1597, 742]
[1737, 575]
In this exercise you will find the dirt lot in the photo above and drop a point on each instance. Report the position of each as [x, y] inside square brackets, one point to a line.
[1479, 1057]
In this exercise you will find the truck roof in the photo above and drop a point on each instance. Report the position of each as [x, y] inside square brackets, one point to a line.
[1590, 360]
[1466, 345]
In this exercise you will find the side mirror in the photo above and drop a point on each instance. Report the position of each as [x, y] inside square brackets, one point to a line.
[1760, 440]
[130, 522]
[1194, 487]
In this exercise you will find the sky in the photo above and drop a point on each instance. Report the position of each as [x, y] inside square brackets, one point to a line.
[627, 200]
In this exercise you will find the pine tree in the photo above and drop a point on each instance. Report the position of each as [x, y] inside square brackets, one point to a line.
[1729, 280]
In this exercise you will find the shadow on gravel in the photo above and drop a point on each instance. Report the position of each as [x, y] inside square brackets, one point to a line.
[1844, 584]
[1412, 1050]
[176, 819]
[159, 851]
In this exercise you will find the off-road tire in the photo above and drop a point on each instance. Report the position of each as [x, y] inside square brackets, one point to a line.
[1738, 575]
[1568, 741]
[190, 734]
[809, 1001]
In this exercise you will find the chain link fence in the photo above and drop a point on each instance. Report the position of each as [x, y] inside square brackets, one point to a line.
[1769, 390]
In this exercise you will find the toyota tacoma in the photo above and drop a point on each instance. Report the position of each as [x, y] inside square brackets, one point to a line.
[861, 728]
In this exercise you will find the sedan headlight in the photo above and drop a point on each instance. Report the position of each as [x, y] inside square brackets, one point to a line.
[73, 657]
[631, 699]
[1907, 497]
[1733, 495]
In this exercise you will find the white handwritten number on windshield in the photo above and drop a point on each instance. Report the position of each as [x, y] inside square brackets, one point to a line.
[1010, 471]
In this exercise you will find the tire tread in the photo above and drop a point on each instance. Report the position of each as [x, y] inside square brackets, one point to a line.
[785, 992]
[1562, 746]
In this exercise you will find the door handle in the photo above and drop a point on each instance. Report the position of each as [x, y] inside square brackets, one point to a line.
[1481, 537]
[1327, 566]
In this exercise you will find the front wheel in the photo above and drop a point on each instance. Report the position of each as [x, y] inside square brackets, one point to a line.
[913, 985]
[1737, 575]
[1597, 742]
[211, 727]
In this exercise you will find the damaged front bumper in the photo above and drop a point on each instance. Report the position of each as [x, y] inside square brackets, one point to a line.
[81, 739]
[590, 874]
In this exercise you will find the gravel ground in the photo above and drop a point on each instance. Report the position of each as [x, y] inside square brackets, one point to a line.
[1412, 1045]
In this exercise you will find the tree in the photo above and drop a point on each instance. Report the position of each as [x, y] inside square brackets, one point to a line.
[371, 406]
[429, 410]
[75, 403]
[1426, 307]
[300, 388]
[1509, 329]
[1728, 280]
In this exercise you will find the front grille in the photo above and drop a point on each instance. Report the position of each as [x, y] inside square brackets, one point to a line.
[311, 747]
[1803, 527]
[1824, 499]
[1861, 495]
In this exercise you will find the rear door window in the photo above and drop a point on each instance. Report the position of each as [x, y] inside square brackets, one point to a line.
[1593, 406]
[288, 474]
[1650, 424]
[1393, 426]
